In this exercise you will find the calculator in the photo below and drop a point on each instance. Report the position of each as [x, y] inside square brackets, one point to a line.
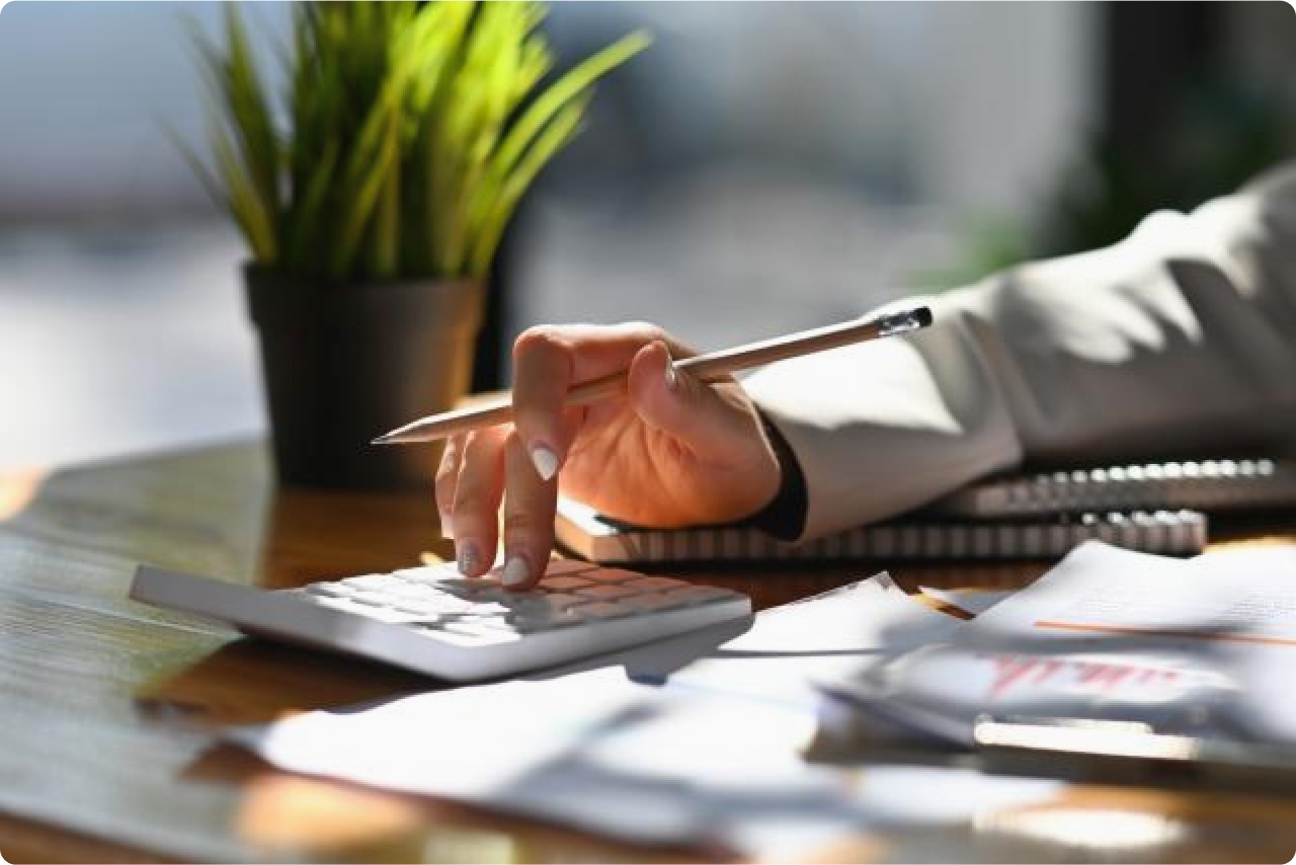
[432, 620]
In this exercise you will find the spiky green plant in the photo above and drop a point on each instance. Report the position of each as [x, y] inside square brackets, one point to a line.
[408, 134]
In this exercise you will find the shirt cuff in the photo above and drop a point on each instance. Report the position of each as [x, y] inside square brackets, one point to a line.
[785, 515]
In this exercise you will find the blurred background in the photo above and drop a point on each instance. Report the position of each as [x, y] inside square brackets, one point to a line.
[764, 167]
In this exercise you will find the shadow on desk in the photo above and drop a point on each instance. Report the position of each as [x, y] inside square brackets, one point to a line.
[253, 681]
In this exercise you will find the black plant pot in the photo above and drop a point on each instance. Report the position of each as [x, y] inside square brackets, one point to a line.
[343, 363]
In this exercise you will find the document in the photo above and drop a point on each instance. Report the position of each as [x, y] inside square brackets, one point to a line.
[1243, 597]
[1201, 647]
[1232, 612]
[706, 764]
[789, 648]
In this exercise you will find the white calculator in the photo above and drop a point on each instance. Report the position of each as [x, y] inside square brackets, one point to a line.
[432, 620]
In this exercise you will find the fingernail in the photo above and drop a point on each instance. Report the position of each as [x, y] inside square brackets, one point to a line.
[672, 379]
[447, 526]
[516, 571]
[545, 461]
[468, 557]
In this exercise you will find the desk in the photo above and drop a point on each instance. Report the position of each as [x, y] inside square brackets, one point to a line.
[108, 706]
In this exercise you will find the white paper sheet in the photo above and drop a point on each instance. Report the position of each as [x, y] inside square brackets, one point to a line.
[1203, 646]
[667, 765]
[1246, 596]
[837, 633]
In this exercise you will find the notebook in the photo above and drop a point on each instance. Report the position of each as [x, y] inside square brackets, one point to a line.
[585, 532]
[1206, 485]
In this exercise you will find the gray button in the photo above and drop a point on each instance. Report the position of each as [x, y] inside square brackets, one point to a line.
[606, 593]
[563, 583]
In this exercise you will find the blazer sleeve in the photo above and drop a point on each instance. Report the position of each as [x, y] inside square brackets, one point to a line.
[1179, 341]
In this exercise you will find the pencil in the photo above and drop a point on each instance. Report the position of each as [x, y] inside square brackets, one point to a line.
[705, 367]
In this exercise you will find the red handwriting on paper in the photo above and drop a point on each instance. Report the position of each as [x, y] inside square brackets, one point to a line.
[1012, 671]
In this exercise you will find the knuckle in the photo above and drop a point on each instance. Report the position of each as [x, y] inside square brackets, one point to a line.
[467, 504]
[521, 526]
[472, 522]
[642, 331]
[472, 499]
[539, 342]
[480, 448]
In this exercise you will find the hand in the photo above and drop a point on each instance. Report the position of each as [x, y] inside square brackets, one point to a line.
[672, 452]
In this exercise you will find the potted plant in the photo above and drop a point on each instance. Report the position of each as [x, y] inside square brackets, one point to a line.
[372, 197]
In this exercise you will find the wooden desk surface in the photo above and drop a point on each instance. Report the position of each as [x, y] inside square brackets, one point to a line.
[108, 708]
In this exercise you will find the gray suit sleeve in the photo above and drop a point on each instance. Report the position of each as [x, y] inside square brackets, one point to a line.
[1179, 341]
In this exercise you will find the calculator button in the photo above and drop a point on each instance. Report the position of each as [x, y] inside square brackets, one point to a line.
[473, 621]
[614, 575]
[477, 590]
[370, 581]
[462, 584]
[431, 608]
[490, 608]
[494, 596]
[554, 602]
[564, 583]
[390, 614]
[415, 608]
[560, 567]
[413, 590]
[606, 593]
[451, 604]
[370, 599]
[333, 589]
[656, 584]
[426, 575]
[310, 597]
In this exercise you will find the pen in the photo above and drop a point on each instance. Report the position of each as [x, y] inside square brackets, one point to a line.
[705, 367]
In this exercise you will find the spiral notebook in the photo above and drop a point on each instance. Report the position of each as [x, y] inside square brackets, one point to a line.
[585, 532]
[1206, 485]
[1153, 508]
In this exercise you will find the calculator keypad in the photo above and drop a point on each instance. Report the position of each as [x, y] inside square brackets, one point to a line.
[439, 602]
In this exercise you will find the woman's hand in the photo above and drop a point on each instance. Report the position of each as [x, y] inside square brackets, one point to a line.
[671, 452]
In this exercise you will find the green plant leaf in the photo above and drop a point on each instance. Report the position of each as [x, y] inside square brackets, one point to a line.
[412, 132]
[309, 213]
[555, 136]
[385, 243]
[560, 92]
[249, 114]
[248, 209]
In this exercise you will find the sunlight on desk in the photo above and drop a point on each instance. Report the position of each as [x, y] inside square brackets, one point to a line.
[17, 491]
[146, 692]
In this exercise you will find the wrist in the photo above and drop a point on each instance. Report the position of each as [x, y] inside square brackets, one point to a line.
[784, 515]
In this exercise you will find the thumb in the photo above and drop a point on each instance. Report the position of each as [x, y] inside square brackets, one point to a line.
[679, 405]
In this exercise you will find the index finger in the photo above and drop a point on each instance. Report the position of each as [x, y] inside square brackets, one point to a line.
[549, 360]
[543, 366]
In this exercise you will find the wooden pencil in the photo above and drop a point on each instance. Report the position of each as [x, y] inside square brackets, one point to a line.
[710, 367]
